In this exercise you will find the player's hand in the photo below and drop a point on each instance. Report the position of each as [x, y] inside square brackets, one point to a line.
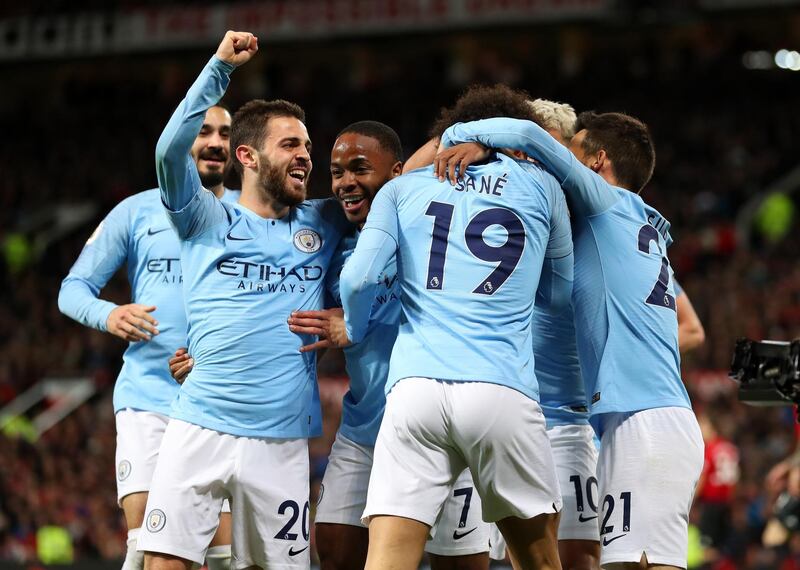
[237, 48]
[328, 325]
[452, 163]
[132, 322]
[180, 365]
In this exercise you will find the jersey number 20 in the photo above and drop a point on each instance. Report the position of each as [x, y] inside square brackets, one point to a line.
[507, 255]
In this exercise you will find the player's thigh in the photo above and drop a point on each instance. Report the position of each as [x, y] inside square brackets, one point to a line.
[223, 535]
[532, 542]
[139, 436]
[579, 554]
[575, 457]
[648, 468]
[341, 538]
[501, 434]
[343, 493]
[341, 546]
[415, 462]
[479, 561]
[460, 530]
[187, 492]
[269, 498]
[133, 506]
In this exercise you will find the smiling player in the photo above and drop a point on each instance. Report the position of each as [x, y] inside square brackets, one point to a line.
[138, 233]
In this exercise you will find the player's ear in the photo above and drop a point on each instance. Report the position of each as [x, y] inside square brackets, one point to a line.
[397, 169]
[247, 156]
[600, 161]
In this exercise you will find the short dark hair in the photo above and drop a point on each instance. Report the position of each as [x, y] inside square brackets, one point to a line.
[626, 140]
[249, 123]
[484, 102]
[381, 132]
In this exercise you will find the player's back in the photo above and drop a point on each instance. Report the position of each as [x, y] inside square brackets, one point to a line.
[625, 308]
[469, 260]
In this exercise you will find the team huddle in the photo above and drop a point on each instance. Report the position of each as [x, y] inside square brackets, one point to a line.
[509, 320]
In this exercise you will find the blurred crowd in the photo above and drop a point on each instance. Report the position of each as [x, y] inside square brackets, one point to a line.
[81, 138]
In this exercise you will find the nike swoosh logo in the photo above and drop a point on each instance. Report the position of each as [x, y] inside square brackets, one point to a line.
[459, 536]
[293, 552]
[230, 237]
[152, 232]
[606, 541]
[586, 519]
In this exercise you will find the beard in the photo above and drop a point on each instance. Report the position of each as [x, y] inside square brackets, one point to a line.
[273, 184]
[211, 179]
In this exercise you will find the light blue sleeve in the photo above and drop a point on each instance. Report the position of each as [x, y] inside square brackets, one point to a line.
[555, 285]
[343, 252]
[376, 245]
[678, 288]
[190, 209]
[588, 193]
[104, 253]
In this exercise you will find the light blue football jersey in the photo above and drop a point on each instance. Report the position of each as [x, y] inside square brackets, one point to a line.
[367, 362]
[243, 276]
[138, 234]
[469, 259]
[624, 296]
[561, 392]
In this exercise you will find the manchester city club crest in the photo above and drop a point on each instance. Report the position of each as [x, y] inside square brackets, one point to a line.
[156, 520]
[307, 241]
[123, 469]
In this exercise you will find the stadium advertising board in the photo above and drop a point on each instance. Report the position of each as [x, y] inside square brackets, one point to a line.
[156, 29]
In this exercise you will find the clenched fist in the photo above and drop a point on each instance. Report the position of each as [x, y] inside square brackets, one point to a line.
[237, 48]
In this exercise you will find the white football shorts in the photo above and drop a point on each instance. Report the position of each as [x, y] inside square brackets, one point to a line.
[575, 456]
[649, 464]
[343, 497]
[139, 437]
[432, 430]
[265, 479]
[460, 529]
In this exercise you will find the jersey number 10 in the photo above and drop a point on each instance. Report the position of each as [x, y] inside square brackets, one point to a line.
[507, 255]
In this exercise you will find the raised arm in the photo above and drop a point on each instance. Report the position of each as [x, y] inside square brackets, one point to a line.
[376, 246]
[176, 170]
[586, 190]
[175, 167]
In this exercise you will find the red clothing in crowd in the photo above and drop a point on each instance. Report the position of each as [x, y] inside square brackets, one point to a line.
[720, 470]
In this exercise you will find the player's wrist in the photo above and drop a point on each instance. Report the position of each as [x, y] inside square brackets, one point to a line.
[217, 62]
[105, 315]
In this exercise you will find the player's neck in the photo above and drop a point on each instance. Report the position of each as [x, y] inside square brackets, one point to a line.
[264, 206]
[218, 190]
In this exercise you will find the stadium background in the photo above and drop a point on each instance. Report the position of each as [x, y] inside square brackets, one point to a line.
[88, 86]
